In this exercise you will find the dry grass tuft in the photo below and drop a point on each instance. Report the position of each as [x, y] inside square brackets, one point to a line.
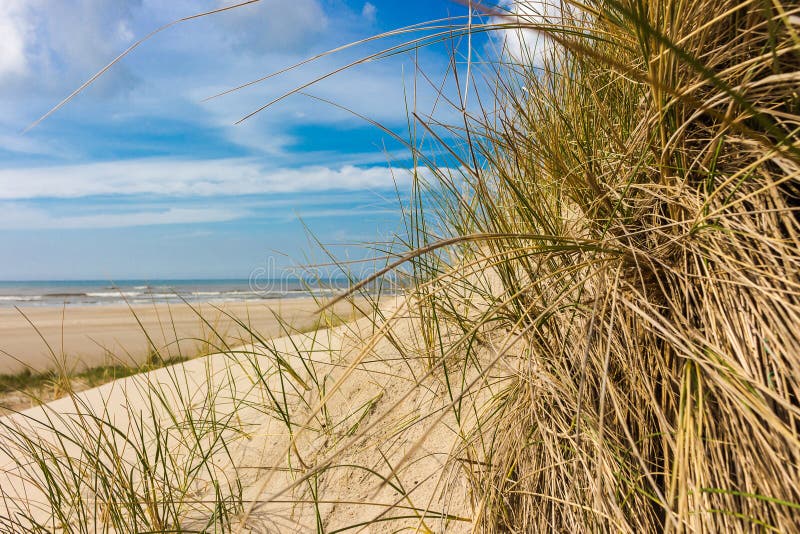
[642, 179]
[603, 308]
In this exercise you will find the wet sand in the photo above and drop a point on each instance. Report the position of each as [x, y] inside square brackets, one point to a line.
[88, 336]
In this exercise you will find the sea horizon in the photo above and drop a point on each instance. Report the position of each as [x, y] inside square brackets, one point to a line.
[163, 290]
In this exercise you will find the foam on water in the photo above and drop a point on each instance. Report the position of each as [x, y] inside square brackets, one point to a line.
[102, 292]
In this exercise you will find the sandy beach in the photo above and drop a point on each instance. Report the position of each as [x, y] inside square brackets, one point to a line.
[369, 420]
[87, 336]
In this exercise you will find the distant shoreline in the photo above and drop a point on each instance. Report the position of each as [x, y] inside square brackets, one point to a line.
[93, 335]
[149, 292]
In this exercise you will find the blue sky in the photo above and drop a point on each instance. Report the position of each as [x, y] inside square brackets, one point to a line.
[139, 178]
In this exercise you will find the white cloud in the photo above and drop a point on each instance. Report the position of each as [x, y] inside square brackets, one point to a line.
[13, 35]
[522, 43]
[126, 211]
[20, 217]
[21, 144]
[46, 43]
[369, 11]
[272, 26]
[341, 213]
[166, 78]
[187, 179]
[124, 31]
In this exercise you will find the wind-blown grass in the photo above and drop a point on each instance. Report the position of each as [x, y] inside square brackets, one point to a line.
[161, 451]
[603, 309]
[633, 195]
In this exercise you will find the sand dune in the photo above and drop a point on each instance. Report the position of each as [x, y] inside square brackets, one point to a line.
[376, 451]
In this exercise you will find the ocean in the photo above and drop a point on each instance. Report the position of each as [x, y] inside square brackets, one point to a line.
[103, 292]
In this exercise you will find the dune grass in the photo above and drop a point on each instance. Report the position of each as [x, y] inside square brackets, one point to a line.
[157, 452]
[603, 308]
[31, 387]
[627, 234]
[616, 256]
[35, 388]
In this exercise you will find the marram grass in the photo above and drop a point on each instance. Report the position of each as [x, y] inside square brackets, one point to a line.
[642, 177]
[605, 295]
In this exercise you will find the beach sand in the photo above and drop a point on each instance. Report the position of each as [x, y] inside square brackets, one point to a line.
[90, 336]
[377, 428]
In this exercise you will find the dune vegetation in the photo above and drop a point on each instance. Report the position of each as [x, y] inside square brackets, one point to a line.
[599, 332]
[636, 198]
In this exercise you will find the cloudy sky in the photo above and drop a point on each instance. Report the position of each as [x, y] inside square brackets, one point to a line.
[139, 177]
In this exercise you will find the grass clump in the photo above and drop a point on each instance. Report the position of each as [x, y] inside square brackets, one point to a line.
[20, 390]
[604, 306]
[175, 449]
[626, 226]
